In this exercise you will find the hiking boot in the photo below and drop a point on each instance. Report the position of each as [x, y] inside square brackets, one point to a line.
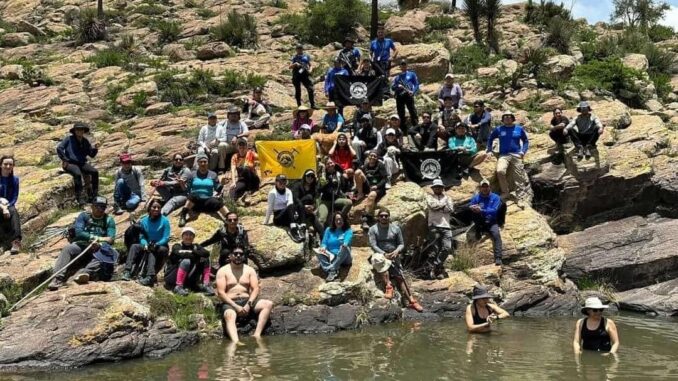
[147, 281]
[182, 219]
[81, 278]
[206, 289]
[587, 152]
[331, 276]
[478, 234]
[415, 306]
[388, 291]
[82, 202]
[55, 284]
[365, 225]
[580, 152]
[497, 261]
[116, 210]
[16, 248]
[180, 290]
[126, 275]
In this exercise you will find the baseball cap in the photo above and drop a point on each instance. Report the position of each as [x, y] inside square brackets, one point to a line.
[484, 182]
[187, 229]
[390, 131]
[438, 183]
[281, 177]
[125, 158]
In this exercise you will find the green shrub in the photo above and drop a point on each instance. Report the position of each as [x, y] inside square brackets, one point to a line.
[149, 9]
[662, 82]
[237, 30]
[168, 30]
[233, 80]
[9, 28]
[661, 33]
[89, 28]
[326, 21]
[109, 57]
[543, 13]
[190, 4]
[277, 4]
[440, 22]
[34, 76]
[660, 61]
[113, 15]
[609, 75]
[126, 43]
[559, 34]
[205, 13]
[468, 58]
[180, 308]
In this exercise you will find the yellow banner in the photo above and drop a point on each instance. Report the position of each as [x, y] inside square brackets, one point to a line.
[291, 158]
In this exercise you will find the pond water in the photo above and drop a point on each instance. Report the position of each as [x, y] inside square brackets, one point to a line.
[540, 349]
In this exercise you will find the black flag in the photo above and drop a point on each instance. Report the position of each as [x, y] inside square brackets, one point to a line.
[351, 90]
[424, 167]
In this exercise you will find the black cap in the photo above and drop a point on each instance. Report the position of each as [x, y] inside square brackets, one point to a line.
[299, 46]
[281, 177]
[233, 110]
[349, 39]
[79, 126]
[100, 201]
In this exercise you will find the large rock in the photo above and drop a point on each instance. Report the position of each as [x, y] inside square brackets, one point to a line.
[128, 96]
[629, 253]
[538, 300]
[272, 248]
[11, 72]
[636, 61]
[16, 39]
[430, 61]
[561, 66]
[407, 28]
[214, 50]
[661, 299]
[407, 203]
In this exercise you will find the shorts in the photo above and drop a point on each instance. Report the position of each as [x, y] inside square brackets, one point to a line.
[381, 192]
[206, 205]
[241, 302]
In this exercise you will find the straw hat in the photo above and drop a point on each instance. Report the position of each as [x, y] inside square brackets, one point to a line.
[593, 303]
[303, 108]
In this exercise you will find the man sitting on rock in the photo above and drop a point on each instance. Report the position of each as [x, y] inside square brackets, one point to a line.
[585, 129]
[228, 133]
[366, 138]
[332, 121]
[238, 289]
[333, 188]
[231, 235]
[440, 207]
[447, 119]
[450, 89]
[172, 185]
[257, 110]
[365, 108]
[425, 135]
[371, 179]
[188, 266]
[389, 150]
[386, 241]
[129, 186]
[73, 152]
[202, 185]
[208, 143]
[480, 121]
[98, 229]
[488, 213]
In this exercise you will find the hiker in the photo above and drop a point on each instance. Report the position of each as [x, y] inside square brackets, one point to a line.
[98, 229]
[332, 121]
[153, 241]
[73, 151]
[488, 213]
[479, 121]
[440, 207]
[584, 130]
[389, 150]
[238, 289]
[304, 132]
[365, 68]
[228, 133]
[450, 89]
[366, 138]
[349, 56]
[482, 312]
[337, 69]
[394, 123]
[447, 119]
[513, 145]
[386, 241]
[370, 179]
[302, 115]
[231, 235]
[335, 249]
[244, 176]
[425, 135]
[334, 186]
[306, 192]
[188, 266]
[466, 149]
[208, 144]
[202, 185]
[557, 130]
[257, 110]
[301, 74]
[282, 208]
[343, 153]
[380, 52]
[172, 185]
[129, 186]
[10, 223]
[406, 86]
[365, 108]
[595, 332]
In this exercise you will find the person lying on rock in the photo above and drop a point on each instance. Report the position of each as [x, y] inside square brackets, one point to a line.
[153, 243]
[557, 130]
[335, 249]
[451, 89]
[488, 213]
[172, 185]
[440, 207]
[231, 235]
[238, 289]
[73, 151]
[366, 138]
[371, 179]
[129, 186]
[425, 135]
[257, 110]
[482, 312]
[244, 177]
[595, 332]
[98, 229]
[188, 266]
[282, 208]
[466, 149]
[208, 144]
[386, 241]
[306, 193]
[10, 223]
[480, 123]
[334, 186]
[584, 129]
[202, 186]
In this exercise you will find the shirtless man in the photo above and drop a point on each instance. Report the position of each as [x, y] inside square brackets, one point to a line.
[238, 288]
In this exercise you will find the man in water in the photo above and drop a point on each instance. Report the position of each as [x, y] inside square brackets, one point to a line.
[238, 289]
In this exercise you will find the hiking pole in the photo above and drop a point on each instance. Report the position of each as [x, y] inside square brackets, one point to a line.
[52, 277]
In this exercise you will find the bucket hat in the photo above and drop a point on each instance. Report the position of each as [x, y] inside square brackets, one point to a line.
[437, 183]
[79, 126]
[303, 108]
[480, 292]
[593, 303]
[380, 263]
[582, 105]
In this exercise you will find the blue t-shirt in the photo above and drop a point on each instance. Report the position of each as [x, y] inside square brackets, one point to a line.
[202, 187]
[330, 122]
[157, 231]
[512, 140]
[329, 77]
[333, 239]
[408, 79]
[9, 189]
[302, 59]
[381, 49]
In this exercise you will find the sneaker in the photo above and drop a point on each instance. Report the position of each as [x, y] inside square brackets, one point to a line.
[16, 248]
[388, 292]
[147, 281]
[415, 306]
[580, 152]
[126, 275]
[587, 152]
[116, 210]
[365, 225]
[332, 276]
[182, 220]
[180, 290]
[81, 278]
[55, 284]
[206, 289]
[497, 261]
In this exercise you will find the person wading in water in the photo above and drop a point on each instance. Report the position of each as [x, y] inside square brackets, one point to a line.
[482, 312]
[594, 332]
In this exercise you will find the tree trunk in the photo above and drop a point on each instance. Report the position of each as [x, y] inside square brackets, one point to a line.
[374, 21]
[100, 9]
[454, 6]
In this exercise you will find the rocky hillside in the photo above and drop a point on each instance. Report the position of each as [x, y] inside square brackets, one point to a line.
[605, 225]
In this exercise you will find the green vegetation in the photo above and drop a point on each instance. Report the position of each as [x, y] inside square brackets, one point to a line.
[90, 28]
[237, 30]
[543, 13]
[559, 34]
[205, 13]
[9, 28]
[13, 292]
[109, 57]
[660, 33]
[468, 58]
[327, 21]
[610, 75]
[150, 9]
[182, 309]
[440, 22]
[168, 30]
[277, 4]
[601, 285]
[464, 258]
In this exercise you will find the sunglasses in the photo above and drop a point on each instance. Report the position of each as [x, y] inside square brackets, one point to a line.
[383, 216]
[179, 159]
[238, 253]
[596, 309]
[232, 220]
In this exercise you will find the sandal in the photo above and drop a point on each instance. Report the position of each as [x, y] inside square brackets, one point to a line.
[415, 306]
[388, 292]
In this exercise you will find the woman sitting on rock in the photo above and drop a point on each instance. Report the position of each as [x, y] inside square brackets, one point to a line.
[302, 115]
[282, 207]
[335, 249]
[594, 332]
[188, 266]
[306, 193]
[244, 176]
[202, 186]
[10, 224]
[482, 312]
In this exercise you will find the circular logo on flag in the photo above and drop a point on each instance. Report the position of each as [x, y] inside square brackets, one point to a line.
[430, 169]
[285, 158]
[358, 90]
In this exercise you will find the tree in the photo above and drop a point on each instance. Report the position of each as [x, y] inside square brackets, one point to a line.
[473, 9]
[374, 19]
[491, 10]
[100, 9]
[642, 14]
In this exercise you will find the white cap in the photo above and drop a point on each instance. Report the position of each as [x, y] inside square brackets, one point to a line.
[390, 131]
[449, 75]
[438, 183]
[394, 116]
[305, 127]
[187, 229]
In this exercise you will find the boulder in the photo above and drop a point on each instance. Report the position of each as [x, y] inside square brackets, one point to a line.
[214, 50]
[629, 253]
[16, 39]
[659, 299]
[561, 67]
[407, 28]
[430, 61]
[665, 180]
[279, 96]
[25, 26]
[177, 52]
[654, 105]
[407, 203]
[11, 72]
[636, 61]
[538, 300]
[126, 98]
[158, 108]
[272, 248]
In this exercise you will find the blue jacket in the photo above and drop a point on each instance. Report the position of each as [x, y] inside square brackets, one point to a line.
[333, 239]
[9, 189]
[465, 142]
[157, 231]
[87, 226]
[302, 59]
[489, 205]
[329, 77]
[381, 50]
[510, 139]
[409, 79]
[72, 151]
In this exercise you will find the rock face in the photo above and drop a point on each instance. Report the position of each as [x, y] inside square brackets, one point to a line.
[636, 61]
[407, 28]
[214, 50]
[430, 61]
[561, 66]
[660, 299]
[271, 246]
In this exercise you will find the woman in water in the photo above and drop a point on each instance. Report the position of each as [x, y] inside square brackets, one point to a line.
[594, 332]
[482, 312]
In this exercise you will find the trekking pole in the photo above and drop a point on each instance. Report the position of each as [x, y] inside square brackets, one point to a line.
[52, 277]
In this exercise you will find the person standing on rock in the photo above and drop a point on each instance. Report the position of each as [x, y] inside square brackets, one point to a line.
[386, 241]
[380, 52]
[332, 72]
[301, 74]
[129, 186]
[238, 289]
[202, 185]
[488, 213]
[257, 110]
[228, 133]
[584, 129]
[73, 151]
[153, 241]
[513, 145]
[557, 130]
[231, 235]
[10, 223]
[451, 89]
[208, 143]
[172, 185]
[440, 208]
[96, 228]
[479, 121]
[482, 312]
[595, 332]
[188, 266]
[335, 249]
[371, 179]
[350, 56]
[406, 85]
